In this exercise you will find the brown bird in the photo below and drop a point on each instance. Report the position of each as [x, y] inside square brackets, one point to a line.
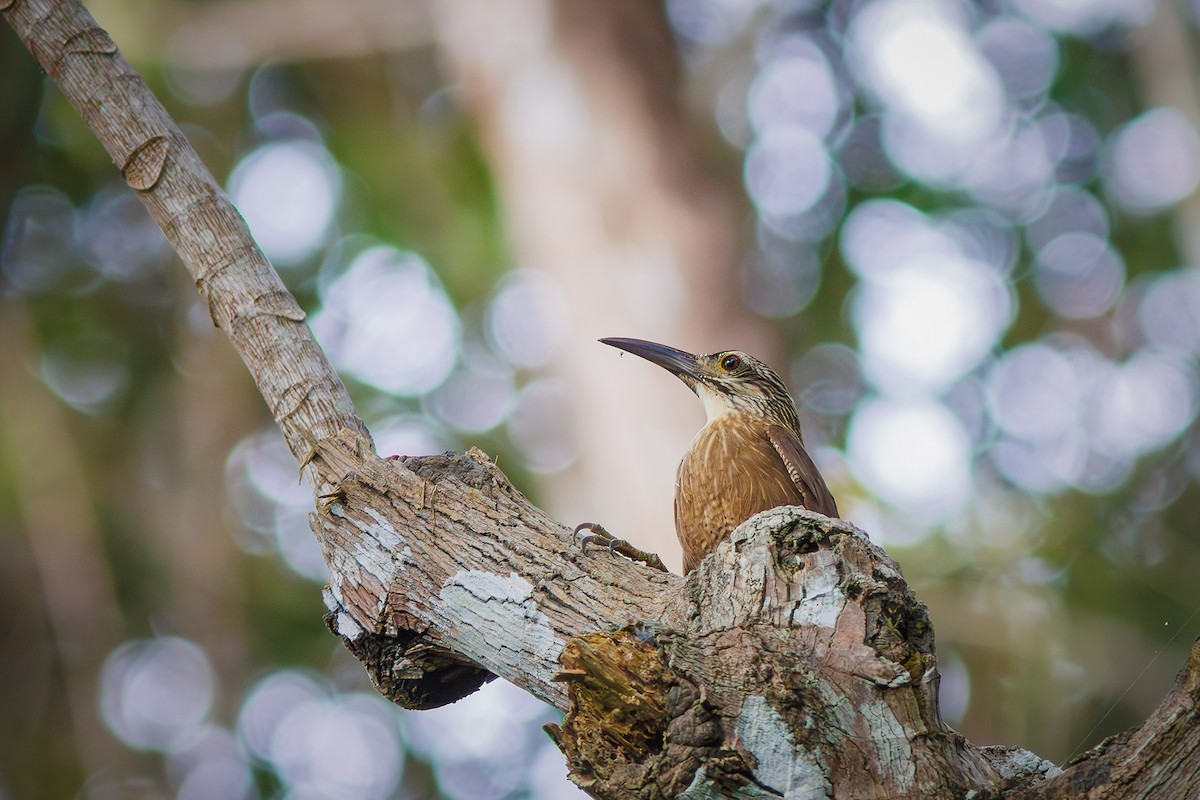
[747, 458]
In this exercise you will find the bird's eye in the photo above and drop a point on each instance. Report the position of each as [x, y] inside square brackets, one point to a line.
[730, 362]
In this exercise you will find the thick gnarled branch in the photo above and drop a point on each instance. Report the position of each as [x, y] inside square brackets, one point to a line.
[439, 555]
[794, 658]
[795, 661]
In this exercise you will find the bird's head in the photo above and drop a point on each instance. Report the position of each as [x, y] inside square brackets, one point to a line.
[726, 382]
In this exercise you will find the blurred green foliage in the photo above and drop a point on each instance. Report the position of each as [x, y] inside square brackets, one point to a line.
[1121, 564]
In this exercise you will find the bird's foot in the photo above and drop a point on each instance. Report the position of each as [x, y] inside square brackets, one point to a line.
[599, 536]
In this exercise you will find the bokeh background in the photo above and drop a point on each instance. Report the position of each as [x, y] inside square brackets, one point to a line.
[965, 233]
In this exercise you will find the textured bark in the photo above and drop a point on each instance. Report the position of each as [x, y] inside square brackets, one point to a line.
[245, 296]
[794, 662]
[446, 575]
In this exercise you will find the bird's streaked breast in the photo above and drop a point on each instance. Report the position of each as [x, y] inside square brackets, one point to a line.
[730, 473]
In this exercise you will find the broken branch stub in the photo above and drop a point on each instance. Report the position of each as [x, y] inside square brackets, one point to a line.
[805, 667]
[443, 574]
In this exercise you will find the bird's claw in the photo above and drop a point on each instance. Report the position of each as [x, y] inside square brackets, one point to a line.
[598, 535]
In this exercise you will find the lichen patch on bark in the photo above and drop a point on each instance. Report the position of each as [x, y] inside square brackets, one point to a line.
[503, 609]
[821, 600]
[891, 742]
[779, 764]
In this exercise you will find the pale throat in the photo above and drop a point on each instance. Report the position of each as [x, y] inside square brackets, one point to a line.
[716, 404]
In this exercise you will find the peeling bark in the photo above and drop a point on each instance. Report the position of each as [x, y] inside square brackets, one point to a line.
[793, 662]
[452, 575]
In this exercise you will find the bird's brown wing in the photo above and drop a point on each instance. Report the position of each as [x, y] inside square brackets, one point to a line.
[802, 470]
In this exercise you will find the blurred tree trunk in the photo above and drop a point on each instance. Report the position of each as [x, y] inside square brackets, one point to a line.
[214, 407]
[1165, 67]
[609, 192]
[70, 578]
[794, 662]
[22, 91]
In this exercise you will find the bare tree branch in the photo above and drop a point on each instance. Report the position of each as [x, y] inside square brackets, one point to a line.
[245, 296]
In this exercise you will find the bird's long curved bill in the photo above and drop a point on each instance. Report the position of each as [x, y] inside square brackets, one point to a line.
[677, 362]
